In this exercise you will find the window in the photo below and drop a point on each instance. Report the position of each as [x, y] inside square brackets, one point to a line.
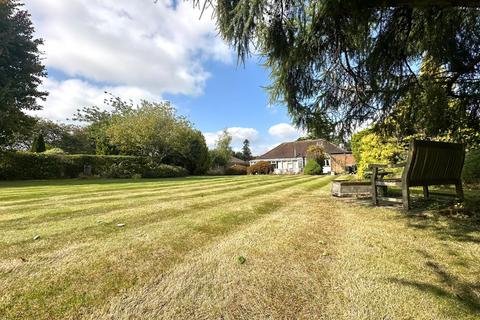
[327, 162]
[300, 163]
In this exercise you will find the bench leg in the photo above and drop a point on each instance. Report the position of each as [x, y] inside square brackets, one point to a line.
[459, 189]
[406, 197]
[425, 192]
[374, 187]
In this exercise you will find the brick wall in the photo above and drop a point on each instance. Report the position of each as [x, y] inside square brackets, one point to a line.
[340, 161]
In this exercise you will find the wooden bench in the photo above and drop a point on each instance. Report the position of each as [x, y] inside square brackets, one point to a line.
[428, 163]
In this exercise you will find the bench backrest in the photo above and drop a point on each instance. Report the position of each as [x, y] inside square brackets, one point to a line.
[434, 163]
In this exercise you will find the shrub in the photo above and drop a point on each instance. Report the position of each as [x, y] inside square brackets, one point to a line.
[316, 153]
[236, 170]
[27, 165]
[471, 168]
[38, 144]
[159, 170]
[369, 147]
[313, 168]
[261, 167]
[54, 151]
[122, 169]
[218, 171]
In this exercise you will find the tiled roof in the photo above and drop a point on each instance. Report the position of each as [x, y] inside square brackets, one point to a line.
[235, 160]
[296, 149]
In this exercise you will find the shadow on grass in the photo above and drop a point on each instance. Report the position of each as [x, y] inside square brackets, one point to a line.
[448, 219]
[443, 215]
[448, 286]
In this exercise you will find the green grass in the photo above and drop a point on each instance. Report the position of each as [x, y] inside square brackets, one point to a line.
[228, 247]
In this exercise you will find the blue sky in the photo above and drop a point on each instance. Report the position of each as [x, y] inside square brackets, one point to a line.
[154, 51]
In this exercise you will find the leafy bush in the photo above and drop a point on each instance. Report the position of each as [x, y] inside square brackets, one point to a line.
[313, 168]
[218, 171]
[261, 167]
[236, 170]
[123, 170]
[27, 165]
[471, 168]
[316, 153]
[54, 151]
[159, 170]
[369, 147]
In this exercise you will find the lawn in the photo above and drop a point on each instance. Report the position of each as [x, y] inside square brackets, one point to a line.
[173, 249]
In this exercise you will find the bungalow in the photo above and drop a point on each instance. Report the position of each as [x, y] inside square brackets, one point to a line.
[291, 157]
[235, 161]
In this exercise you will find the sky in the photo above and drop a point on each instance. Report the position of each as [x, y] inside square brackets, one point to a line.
[154, 50]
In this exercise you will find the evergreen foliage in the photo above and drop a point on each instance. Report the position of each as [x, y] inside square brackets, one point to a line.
[471, 168]
[38, 144]
[21, 71]
[340, 63]
[28, 165]
[246, 152]
[313, 168]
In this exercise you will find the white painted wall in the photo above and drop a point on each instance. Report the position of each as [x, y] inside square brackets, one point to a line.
[291, 165]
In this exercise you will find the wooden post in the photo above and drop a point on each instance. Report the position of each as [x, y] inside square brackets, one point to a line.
[374, 186]
[459, 189]
[406, 196]
[426, 194]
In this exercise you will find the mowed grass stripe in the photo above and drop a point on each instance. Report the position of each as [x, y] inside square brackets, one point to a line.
[113, 187]
[285, 275]
[177, 238]
[128, 211]
[78, 198]
[52, 185]
[18, 218]
[78, 225]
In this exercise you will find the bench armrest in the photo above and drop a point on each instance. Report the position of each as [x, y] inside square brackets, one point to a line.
[385, 166]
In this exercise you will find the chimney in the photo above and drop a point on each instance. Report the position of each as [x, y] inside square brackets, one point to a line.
[294, 150]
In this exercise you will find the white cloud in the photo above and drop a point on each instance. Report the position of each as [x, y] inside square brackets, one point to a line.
[211, 138]
[285, 131]
[239, 134]
[159, 46]
[67, 96]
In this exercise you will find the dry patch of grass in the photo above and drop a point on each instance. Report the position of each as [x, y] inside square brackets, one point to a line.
[227, 247]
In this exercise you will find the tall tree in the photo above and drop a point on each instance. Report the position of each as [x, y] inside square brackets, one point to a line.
[152, 129]
[222, 152]
[246, 152]
[21, 71]
[38, 144]
[345, 62]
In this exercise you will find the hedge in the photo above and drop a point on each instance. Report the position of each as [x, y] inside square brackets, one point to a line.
[236, 169]
[471, 168]
[27, 165]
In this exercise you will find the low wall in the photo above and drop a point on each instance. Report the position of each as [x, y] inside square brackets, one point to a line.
[349, 188]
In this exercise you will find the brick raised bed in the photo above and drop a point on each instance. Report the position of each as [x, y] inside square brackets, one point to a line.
[350, 188]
